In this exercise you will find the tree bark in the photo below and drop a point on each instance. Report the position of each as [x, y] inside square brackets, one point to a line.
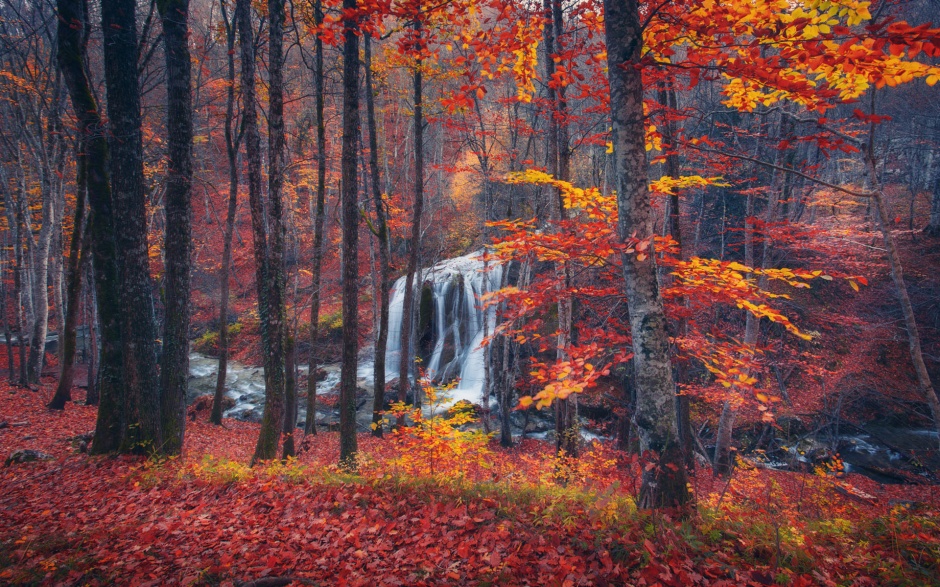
[265, 283]
[406, 361]
[350, 215]
[77, 254]
[310, 426]
[664, 484]
[138, 326]
[381, 234]
[667, 97]
[107, 388]
[174, 368]
[40, 326]
[231, 148]
[277, 353]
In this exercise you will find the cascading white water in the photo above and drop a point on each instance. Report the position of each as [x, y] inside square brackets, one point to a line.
[456, 322]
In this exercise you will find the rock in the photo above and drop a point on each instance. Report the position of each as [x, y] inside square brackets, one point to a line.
[464, 406]
[203, 403]
[26, 455]
[4, 424]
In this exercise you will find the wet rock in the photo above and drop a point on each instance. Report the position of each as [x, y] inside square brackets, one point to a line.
[27, 455]
[203, 403]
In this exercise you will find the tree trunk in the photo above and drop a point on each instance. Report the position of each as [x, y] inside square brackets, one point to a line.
[664, 484]
[138, 327]
[174, 368]
[350, 214]
[414, 245]
[40, 270]
[15, 221]
[271, 419]
[77, 253]
[667, 98]
[231, 148]
[310, 426]
[7, 333]
[289, 450]
[107, 388]
[723, 461]
[381, 233]
[277, 353]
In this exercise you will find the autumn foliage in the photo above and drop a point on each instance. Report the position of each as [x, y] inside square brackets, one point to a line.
[480, 515]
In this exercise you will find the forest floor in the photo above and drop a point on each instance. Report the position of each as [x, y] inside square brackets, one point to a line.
[431, 509]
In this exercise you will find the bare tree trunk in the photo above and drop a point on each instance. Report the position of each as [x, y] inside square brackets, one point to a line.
[15, 221]
[664, 484]
[40, 271]
[77, 253]
[414, 245]
[265, 281]
[310, 426]
[348, 446]
[138, 326]
[107, 389]
[667, 97]
[232, 141]
[381, 233]
[174, 368]
[276, 237]
[7, 333]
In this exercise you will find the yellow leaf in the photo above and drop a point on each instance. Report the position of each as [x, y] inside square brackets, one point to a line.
[854, 285]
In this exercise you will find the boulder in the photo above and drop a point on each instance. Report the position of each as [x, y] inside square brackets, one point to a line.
[203, 403]
[464, 406]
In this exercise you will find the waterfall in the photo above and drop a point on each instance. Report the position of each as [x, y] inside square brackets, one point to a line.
[449, 327]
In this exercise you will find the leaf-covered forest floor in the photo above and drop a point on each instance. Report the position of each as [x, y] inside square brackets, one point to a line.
[425, 512]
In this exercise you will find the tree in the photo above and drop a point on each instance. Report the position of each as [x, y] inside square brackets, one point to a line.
[382, 236]
[350, 219]
[406, 361]
[279, 348]
[310, 427]
[174, 368]
[232, 141]
[664, 484]
[270, 305]
[138, 325]
[108, 386]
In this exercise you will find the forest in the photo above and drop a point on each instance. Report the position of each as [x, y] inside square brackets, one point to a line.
[470, 292]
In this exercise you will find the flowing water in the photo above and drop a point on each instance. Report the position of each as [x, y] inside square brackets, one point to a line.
[451, 323]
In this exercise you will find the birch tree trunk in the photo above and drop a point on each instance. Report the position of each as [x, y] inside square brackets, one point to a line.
[77, 254]
[664, 484]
